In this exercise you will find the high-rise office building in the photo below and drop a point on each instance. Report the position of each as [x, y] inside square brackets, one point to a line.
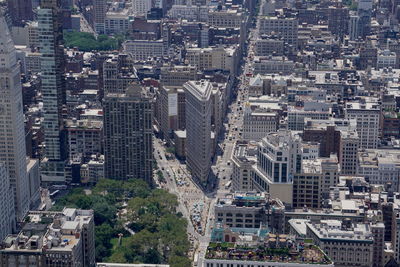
[364, 12]
[118, 73]
[128, 132]
[99, 15]
[367, 115]
[53, 90]
[198, 128]
[12, 132]
[20, 10]
[279, 157]
[7, 211]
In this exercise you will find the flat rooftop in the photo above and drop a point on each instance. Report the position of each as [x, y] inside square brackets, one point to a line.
[304, 255]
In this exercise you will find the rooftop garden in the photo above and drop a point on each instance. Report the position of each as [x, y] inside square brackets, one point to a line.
[229, 251]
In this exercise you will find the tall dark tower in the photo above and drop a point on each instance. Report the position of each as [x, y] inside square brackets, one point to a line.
[128, 133]
[20, 10]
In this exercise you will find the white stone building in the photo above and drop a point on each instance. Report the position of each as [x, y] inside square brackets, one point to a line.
[141, 7]
[279, 158]
[144, 49]
[367, 115]
[12, 131]
[380, 166]
[346, 243]
[258, 122]
[287, 28]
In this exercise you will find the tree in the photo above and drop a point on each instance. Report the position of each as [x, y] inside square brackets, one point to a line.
[117, 257]
[104, 233]
[104, 212]
[152, 256]
[87, 42]
[177, 261]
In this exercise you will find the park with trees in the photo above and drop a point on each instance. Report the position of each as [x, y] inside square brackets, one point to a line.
[133, 222]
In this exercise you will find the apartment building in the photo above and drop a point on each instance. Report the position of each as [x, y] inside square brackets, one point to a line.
[297, 115]
[189, 12]
[386, 59]
[118, 73]
[92, 171]
[348, 152]
[49, 238]
[128, 135]
[85, 137]
[269, 47]
[141, 7]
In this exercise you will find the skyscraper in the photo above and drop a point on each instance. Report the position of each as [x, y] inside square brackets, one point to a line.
[12, 132]
[99, 15]
[53, 89]
[364, 12]
[128, 132]
[20, 10]
[7, 211]
[198, 128]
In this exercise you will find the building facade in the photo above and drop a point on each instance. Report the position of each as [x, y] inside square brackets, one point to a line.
[53, 90]
[198, 128]
[52, 239]
[278, 159]
[250, 210]
[243, 159]
[7, 212]
[287, 28]
[128, 133]
[368, 117]
[144, 49]
[12, 132]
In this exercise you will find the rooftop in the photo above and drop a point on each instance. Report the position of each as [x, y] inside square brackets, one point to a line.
[49, 230]
[287, 251]
[340, 230]
[384, 158]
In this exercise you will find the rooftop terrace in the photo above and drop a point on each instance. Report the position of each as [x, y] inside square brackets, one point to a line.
[308, 254]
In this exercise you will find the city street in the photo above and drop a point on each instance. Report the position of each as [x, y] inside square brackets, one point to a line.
[179, 182]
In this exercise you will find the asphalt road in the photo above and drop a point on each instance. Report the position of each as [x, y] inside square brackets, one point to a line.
[222, 168]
